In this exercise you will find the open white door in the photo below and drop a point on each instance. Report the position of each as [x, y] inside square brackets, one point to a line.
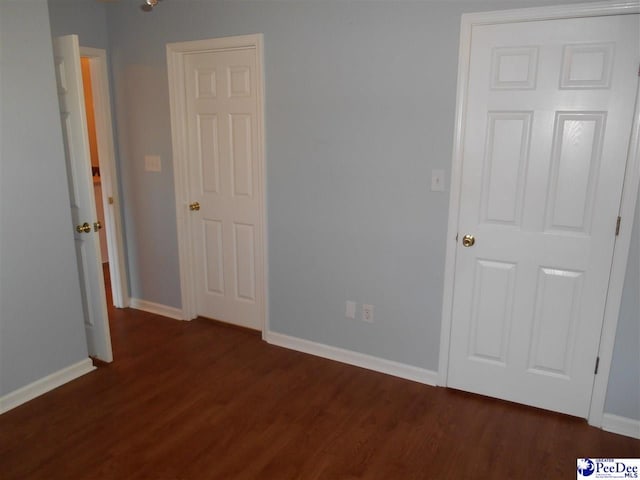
[83, 210]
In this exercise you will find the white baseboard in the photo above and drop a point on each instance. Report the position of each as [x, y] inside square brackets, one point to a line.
[44, 385]
[156, 308]
[621, 425]
[381, 365]
[126, 302]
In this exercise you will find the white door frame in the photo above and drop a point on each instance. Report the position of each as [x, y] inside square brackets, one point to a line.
[108, 174]
[627, 207]
[176, 53]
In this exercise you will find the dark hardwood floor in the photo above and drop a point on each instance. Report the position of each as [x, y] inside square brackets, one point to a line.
[200, 400]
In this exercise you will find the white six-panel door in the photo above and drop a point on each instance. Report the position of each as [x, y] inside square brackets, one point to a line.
[224, 179]
[83, 209]
[546, 133]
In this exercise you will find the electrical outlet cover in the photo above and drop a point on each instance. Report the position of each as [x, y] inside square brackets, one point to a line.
[367, 313]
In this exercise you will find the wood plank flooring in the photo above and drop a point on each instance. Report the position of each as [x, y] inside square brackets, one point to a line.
[200, 400]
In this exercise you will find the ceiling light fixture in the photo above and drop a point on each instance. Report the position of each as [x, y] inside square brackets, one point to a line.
[148, 5]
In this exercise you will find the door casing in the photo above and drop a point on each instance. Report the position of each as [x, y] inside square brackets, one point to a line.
[109, 174]
[627, 206]
[176, 53]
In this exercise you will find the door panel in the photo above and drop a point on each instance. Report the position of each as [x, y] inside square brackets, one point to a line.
[81, 193]
[222, 108]
[558, 297]
[240, 125]
[575, 166]
[214, 256]
[506, 165]
[209, 157]
[244, 253]
[547, 127]
[493, 292]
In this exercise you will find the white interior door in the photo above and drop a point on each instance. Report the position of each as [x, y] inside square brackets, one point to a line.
[83, 209]
[225, 180]
[546, 133]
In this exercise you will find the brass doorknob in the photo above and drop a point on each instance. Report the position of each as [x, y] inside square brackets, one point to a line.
[468, 241]
[84, 228]
[194, 207]
[97, 226]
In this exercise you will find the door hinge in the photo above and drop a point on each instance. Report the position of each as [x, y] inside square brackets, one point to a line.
[618, 226]
[110, 200]
[597, 364]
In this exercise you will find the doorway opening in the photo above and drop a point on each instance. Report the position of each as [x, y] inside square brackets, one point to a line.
[220, 197]
[95, 159]
[104, 173]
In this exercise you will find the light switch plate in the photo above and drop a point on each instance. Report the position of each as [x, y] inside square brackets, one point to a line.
[437, 181]
[152, 163]
[350, 310]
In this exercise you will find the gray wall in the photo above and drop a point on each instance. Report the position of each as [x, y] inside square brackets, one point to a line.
[623, 394]
[41, 326]
[350, 146]
[87, 19]
[360, 100]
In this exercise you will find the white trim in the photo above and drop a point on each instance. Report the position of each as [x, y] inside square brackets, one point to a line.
[595, 9]
[621, 425]
[454, 199]
[108, 174]
[45, 384]
[630, 191]
[261, 119]
[175, 66]
[156, 308]
[357, 359]
[618, 271]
